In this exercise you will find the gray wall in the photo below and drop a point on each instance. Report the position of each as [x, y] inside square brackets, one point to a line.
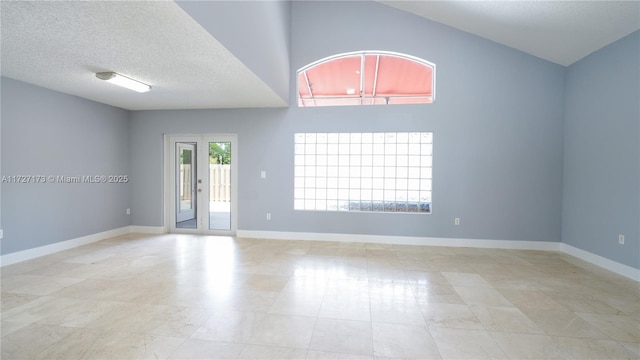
[0, 156]
[259, 130]
[49, 133]
[504, 125]
[497, 124]
[256, 32]
[601, 192]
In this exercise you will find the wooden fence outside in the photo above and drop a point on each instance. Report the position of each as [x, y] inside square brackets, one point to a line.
[219, 182]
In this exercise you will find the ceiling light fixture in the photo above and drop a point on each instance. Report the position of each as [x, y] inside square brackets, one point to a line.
[123, 81]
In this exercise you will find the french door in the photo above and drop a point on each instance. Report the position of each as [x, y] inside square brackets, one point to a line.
[202, 178]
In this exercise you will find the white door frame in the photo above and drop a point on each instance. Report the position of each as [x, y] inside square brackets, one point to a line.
[203, 197]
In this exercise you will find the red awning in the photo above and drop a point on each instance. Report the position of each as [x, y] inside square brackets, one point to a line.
[366, 78]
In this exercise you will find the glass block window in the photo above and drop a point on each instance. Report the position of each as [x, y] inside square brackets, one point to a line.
[379, 172]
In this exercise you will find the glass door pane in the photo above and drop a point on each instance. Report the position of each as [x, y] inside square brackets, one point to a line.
[186, 213]
[220, 185]
[203, 196]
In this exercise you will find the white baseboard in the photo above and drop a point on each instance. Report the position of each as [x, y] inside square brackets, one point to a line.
[134, 229]
[29, 254]
[402, 240]
[614, 266]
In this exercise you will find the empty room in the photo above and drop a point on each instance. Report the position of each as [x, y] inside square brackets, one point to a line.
[320, 180]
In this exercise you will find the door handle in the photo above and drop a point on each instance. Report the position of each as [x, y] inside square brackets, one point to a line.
[199, 190]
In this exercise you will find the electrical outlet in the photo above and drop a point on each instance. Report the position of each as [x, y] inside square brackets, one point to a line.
[621, 239]
[268, 216]
[456, 221]
[128, 211]
[263, 174]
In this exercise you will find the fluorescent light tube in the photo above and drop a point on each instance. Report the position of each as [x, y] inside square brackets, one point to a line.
[123, 81]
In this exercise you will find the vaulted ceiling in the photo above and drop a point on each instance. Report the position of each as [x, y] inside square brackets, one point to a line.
[562, 32]
[176, 48]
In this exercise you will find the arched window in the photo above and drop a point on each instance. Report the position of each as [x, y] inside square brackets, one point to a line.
[367, 78]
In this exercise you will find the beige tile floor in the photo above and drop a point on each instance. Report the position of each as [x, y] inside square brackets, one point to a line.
[202, 297]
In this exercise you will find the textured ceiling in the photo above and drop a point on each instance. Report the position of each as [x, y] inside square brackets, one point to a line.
[559, 31]
[61, 45]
